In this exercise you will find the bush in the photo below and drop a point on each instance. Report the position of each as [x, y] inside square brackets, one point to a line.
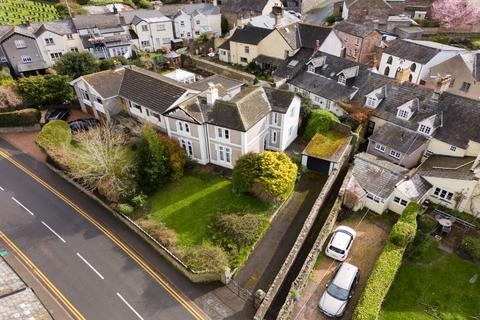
[5, 76]
[139, 201]
[243, 230]
[9, 99]
[125, 208]
[245, 172]
[55, 134]
[107, 64]
[320, 120]
[159, 232]
[204, 258]
[426, 223]
[178, 157]
[76, 64]
[45, 90]
[402, 233]
[472, 246]
[26, 117]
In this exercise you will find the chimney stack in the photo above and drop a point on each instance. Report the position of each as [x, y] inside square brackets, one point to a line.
[277, 11]
[317, 45]
[212, 94]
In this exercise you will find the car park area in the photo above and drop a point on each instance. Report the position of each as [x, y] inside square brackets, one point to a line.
[371, 233]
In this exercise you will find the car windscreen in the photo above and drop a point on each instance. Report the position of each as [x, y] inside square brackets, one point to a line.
[337, 250]
[337, 292]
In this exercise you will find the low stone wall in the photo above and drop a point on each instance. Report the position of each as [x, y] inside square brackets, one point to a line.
[222, 70]
[301, 281]
[192, 275]
[20, 129]
[312, 216]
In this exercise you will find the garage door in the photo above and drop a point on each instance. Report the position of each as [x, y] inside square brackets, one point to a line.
[319, 165]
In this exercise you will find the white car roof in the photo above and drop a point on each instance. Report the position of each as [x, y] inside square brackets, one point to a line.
[340, 240]
[345, 275]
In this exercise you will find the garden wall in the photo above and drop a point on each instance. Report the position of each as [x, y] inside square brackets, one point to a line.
[192, 275]
[312, 216]
[222, 70]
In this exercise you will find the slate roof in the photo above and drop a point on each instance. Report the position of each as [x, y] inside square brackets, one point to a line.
[375, 175]
[135, 16]
[293, 65]
[322, 86]
[289, 33]
[107, 83]
[61, 27]
[190, 8]
[412, 51]
[458, 168]
[150, 89]
[309, 34]
[279, 100]
[7, 31]
[414, 188]
[249, 5]
[101, 21]
[250, 35]
[398, 138]
[356, 29]
[227, 83]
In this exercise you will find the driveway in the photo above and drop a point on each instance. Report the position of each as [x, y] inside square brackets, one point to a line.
[372, 231]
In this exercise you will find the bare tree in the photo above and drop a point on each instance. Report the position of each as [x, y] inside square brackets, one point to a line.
[102, 162]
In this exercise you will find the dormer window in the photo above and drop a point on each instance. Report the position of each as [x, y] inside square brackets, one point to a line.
[342, 80]
[425, 129]
[311, 68]
[371, 102]
[404, 114]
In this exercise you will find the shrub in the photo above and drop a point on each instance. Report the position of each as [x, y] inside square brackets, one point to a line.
[245, 172]
[178, 157]
[243, 230]
[472, 246]
[45, 90]
[159, 232]
[139, 201]
[25, 117]
[106, 64]
[125, 208]
[55, 134]
[320, 120]
[277, 177]
[426, 223]
[76, 64]
[204, 258]
[379, 282]
[402, 233]
[5, 76]
[9, 98]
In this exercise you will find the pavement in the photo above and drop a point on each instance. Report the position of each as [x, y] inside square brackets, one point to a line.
[372, 232]
[317, 16]
[268, 257]
[101, 268]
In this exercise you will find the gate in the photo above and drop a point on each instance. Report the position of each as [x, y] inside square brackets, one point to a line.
[243, 293]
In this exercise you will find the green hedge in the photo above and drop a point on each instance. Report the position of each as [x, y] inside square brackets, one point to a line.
[20, 118]
[387, 265]
[55, 134]
[320, 120]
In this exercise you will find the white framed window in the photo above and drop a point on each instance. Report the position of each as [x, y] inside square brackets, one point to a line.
[247, 49]
[49, 41]
[465, 87]
[154, 114]
[274, 118]
[311, 68]
[290, 131]
[197, 33]
[145, 43]
[400, 201]
[274, 137]
[74, 49]
[98, 100]
[380, 147]
[20, 44]
[371, 102]
[223, 133]
[443, 194]
[342, 80]
[424, 129]
[160, 27]
[292, 112]
[69, 36]
[182, 23]
[166, 40]
[144, 27]
[403, 114]
[374, 198]
[224, 154]
[84, 94]
[188, 146]
[26, 59]
[55, 55]
[453, 148]
[395, 154]
[136, 108]
[183, 126]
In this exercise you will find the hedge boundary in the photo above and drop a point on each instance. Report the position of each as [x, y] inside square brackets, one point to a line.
[20, 118]
[387, 265]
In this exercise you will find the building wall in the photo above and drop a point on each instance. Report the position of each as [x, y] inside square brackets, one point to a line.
[254, 138]
[406, 160]
[237, 52]
[332, 44]
[14, 55]
[358, 49]
[183, 26]
[274, 45]
[61, 44]
[290, 123]
[398, 62]
[466, 187]
[157, 39]
[379, 207]
[439, 147]
[319, 102]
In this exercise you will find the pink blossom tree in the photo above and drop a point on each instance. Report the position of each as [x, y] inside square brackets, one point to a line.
[455, 13]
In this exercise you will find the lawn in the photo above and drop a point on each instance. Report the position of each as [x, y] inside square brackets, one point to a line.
[325, 144]
[13, 12]
[433, 285]
[190, 205]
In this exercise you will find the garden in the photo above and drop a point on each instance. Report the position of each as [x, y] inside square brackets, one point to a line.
[13, 12]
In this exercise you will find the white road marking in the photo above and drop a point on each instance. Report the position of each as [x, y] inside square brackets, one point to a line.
[53, 231]
[128, 305]
[2, 189]
[91, 267]
[21, 205]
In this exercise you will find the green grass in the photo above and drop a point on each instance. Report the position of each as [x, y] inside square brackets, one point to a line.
[434, 285]
[190, 205]
[324, 144]
[14, 12]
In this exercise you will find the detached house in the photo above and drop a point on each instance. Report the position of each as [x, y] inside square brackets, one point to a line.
[412, 59]
[215, 122]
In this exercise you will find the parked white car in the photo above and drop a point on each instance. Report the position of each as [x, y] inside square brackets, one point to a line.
[339, 290]
[340, 243]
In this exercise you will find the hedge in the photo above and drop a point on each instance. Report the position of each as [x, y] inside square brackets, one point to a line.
[20, 118]
[55, 134]
[320, 120]
[387, 265]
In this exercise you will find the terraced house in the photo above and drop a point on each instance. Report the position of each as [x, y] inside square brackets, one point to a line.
[213, 120]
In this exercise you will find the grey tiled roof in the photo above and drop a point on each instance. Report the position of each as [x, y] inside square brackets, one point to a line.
[293, 65]
[107, 83]
[249, 5]
[205, 8]
[227, 83]
[356, 29]
[323, 87]
[412, 51]
[414, 188]
[309, 34]
[279, 100]
[129, 16]
[375, 175]
[61, 27]
[447, 167]
[250, 35]
[101, 21]
[398, 138]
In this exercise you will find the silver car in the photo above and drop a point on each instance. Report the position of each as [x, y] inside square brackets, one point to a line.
[339, 290]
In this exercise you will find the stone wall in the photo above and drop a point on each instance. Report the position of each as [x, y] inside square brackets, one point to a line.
[312, 216]
[222, 70]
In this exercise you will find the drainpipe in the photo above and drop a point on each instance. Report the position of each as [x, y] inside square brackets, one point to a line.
[208, 142]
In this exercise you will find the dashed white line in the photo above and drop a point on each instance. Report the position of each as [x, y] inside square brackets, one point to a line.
[128, 305]
[91, 267]
[21, 205]
[2, 189]
[53, 231]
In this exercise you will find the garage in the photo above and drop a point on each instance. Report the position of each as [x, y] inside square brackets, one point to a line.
[319, 165]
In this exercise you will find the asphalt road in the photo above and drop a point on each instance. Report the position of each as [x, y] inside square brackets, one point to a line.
[99, 278]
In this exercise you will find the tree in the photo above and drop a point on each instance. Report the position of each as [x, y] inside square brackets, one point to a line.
[320, 120]
[45, 90]
[455, 13]
[153, 167]
[245, 172]
[76, 64]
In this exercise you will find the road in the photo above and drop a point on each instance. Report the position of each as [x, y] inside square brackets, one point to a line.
[97, 273]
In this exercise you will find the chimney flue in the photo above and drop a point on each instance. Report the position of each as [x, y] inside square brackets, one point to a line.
[212, 94]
